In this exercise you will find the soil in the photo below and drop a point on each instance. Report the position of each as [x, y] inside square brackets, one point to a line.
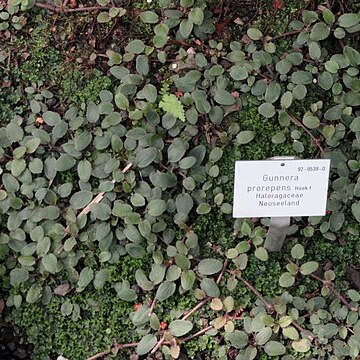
[11, 347]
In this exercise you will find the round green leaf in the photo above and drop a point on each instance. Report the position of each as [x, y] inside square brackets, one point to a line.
[336, 220]
[84, 170]
[196, 15]
[297, 251]
[145, 157]
[238, 339]
[209, 266]
[149, 17]
[261, 253]
[311, 121]
[80, 199]
[263, 336]
[291, 333]
[328, 16]
[286, 280]
[184, 203]
[85, 278]
[203, 208]
[314, 50]
[325, 80]
[238, 73]
[301, 77]
[185, 28]
[320, 31]
[34, 293]
[286, 99]
[146, 344]
[121, 209]
[309, 267]
[165, 290]
[121, 101]
[188, 278]
[348, 20]
[103, 17]
[49, 262]
[32, 145]
[274, 348]
[267, 110]
[302, 345]
[244, 137]
[187, 162]
[17, 167]
[51, 118]
[18, 276]
[283, 66]
[223, 97]
[180, 327]
[64, 162]
[210, 287]
[136, 46]
[156, 207]
[254, 34]
[332, 66]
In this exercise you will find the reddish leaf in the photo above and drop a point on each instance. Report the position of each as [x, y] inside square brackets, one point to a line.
[62, 289]
[163, 325]
[278, 4]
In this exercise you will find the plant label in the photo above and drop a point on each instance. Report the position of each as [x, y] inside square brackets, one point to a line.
[280, 188]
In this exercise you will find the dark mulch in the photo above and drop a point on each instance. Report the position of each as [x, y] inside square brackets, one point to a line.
[10, 340]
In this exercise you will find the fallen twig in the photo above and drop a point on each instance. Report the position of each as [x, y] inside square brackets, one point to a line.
[202, 331]
[268, 306]
[226, 262]
[197, 307]
[331, 287]
[271, 308]
[114, 350]
[315, 140]
[159, 343]
[208, 298]
[289, 33]
[152, 307]
[100, 354]
[305, 332]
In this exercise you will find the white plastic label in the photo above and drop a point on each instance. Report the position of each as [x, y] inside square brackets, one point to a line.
[280, 188]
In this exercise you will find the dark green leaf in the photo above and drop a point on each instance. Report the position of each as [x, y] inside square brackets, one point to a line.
[238, 339]
[210, 287]
[146, 344]
[180, 327]
[209, 266]
[165, 290]
[274, 348]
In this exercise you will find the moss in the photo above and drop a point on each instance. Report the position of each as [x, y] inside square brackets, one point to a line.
[78, 88]
[353, 5]
[11, 104]
[176, 303]
[215, 228]
[201, 346]
[102, 315]
[35, 58]
[125, 270]
[261, 147]
[38, 62]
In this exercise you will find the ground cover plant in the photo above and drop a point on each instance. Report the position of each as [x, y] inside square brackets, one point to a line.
[120, 123]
